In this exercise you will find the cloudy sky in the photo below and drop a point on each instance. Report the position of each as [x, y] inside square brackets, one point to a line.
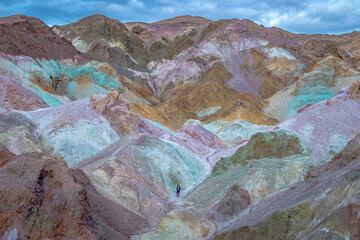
[298, 16]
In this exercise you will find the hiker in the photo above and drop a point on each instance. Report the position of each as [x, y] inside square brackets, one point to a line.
[178, 188]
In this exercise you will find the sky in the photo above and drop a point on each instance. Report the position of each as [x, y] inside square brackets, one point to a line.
[297, 16]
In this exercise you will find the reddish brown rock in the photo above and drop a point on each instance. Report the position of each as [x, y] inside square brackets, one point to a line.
[354, 91]
[236, 200]
[41, 198]
[13, 96]
[319, 48]
[304, 108]
[5, 156]
[117, 111]
[23, 35]
[184, 19]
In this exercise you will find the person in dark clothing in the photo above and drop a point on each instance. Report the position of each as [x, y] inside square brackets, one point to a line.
[178, 188]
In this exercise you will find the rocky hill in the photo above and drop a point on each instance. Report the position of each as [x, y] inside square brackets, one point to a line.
[101, 120]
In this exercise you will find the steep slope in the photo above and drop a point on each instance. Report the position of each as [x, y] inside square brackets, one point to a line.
[125, 122]
[42, 198]
[28, 36]
[165, 39]
[73, 131]
[53, 83]
[279, 157]
[14, 96]
[300, 212]
[146, 171]
[327, 126]
[80, 129]
[269, 58]
[323, 81]
[241, 45]
[17, 133]
[265, 166]
[84, 129]
[259, 188]
[262, 61]
[107, 40]
[268, 162]
[47, 70]
[191, 99]
[187, 41]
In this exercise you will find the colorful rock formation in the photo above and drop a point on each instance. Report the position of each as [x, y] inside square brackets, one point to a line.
[325, 206]
[101, 120]
[323, 81]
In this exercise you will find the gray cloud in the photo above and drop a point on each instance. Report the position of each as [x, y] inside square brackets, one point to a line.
[306, 16]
